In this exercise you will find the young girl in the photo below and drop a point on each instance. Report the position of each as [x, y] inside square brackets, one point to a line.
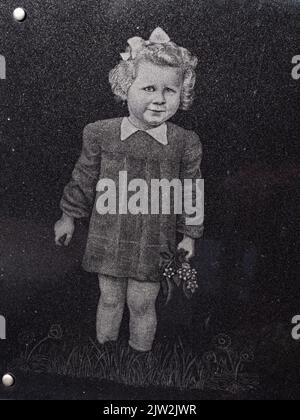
[155, 78]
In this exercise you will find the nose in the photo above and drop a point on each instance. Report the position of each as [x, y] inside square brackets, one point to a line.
[159, 98]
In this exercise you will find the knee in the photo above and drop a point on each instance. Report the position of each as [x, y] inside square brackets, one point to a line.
[140, 305]
[113, 292]
[108, 301]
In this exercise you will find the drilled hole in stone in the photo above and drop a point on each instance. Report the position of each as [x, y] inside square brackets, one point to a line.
[8, 380]
[19, 14]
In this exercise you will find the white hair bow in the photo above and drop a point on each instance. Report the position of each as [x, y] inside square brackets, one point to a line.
[137, 43]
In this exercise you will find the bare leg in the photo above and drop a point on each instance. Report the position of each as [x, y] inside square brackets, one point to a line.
[111, 307]
[141, 299]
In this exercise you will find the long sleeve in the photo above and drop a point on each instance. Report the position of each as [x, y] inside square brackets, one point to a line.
[79, 194]
[191, 222]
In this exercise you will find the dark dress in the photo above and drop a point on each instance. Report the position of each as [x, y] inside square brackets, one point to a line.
[130, 245]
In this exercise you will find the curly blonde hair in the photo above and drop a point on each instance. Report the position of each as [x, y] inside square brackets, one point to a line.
[168, 54]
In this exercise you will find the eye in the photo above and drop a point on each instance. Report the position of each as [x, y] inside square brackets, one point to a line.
[170, 90]
[149, 89]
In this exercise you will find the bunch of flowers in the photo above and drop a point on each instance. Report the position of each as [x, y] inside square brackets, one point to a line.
[178, 272]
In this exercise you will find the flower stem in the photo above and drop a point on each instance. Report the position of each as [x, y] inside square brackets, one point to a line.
[230, 360]
[237, 369]
[36, 346]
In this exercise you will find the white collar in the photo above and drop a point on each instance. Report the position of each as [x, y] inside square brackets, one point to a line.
[158, 133]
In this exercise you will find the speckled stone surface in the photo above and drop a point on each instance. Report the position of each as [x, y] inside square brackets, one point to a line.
[246, 113]
[58, 61]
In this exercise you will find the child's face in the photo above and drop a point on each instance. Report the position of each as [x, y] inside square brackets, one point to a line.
[154, 97]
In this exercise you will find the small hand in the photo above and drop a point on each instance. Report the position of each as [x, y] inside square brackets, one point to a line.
[188, 244]
[64, 230]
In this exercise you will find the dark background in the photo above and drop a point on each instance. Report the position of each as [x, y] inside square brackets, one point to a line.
[247, 115]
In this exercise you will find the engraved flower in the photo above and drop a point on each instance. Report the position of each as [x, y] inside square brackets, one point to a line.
[210, 357]
[55, 332]
[247, 356]
[222, 341]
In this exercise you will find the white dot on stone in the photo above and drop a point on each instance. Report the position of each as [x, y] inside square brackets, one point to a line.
[8, 380]
[19, 14]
